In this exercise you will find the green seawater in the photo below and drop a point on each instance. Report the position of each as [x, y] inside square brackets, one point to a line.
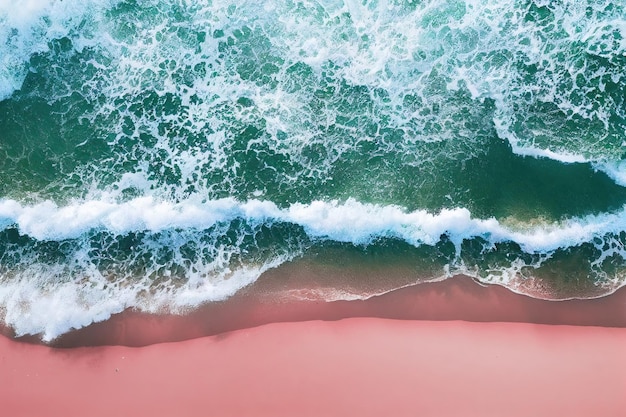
[114, 112]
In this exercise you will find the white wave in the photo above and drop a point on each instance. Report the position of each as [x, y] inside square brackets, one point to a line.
[350, 221]
[616, 170]
[35, 306]
[49, 301]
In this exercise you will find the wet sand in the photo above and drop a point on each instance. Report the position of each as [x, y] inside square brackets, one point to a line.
[458, 298]
[405, 353]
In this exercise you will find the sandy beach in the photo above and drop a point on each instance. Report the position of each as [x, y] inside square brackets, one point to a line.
[360, 366]
[357, 361]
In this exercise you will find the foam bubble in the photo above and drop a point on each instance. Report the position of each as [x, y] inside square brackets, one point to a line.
[399, 76]
[351, 221]
[427, 51]
[36, 306]
[171, 256]
[28, 26]
[614, 169]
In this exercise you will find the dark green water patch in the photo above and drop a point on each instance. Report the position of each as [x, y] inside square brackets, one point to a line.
[386, 252]
[503, 184]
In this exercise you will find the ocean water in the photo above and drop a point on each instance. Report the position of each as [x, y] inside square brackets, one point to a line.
[160, 154]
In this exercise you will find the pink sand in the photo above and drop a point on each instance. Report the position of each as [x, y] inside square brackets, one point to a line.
[358, 366]
[254, 357]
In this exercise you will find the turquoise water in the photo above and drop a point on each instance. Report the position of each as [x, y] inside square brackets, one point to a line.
[160, 154]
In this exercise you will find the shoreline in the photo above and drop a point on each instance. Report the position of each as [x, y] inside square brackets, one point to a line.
[445, 348]
[458, 298]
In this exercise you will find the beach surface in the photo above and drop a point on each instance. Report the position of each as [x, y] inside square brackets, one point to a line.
[359, 366]
[357, 361]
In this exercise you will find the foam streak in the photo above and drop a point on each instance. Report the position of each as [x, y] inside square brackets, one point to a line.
[351, 221]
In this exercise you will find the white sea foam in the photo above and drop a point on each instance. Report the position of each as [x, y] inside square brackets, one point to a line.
[525, 150]
[350, 221]
[614, 169]
[51, 299]
[35, 305]
[26, 27]
[402, 49]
